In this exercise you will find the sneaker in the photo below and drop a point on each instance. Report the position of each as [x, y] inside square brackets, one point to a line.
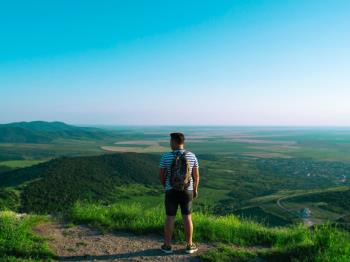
[190, 249]
[166, 249]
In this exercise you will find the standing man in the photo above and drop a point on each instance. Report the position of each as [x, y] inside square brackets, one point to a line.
[179, 175]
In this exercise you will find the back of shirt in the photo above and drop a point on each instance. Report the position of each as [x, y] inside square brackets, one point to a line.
[167, 160]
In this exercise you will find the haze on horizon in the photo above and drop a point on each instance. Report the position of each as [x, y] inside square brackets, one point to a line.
[239, 62]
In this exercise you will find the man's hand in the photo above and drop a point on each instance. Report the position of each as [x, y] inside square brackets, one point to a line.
[195, 174]
[195, 193]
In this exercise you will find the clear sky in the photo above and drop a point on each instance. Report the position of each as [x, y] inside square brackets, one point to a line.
[176, 62]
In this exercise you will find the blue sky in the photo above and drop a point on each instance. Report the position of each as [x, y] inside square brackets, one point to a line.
[176, 62]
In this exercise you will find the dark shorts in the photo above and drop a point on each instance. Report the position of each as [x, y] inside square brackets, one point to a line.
[175, 198]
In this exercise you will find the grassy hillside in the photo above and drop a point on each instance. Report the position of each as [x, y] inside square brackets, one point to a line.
[234, 239]
[18, 242]
[296, 243]
[55, 185]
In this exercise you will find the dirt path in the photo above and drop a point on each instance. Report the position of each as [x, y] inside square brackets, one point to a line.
[81, 243]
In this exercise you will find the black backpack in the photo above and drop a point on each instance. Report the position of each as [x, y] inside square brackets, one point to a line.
[180, 175]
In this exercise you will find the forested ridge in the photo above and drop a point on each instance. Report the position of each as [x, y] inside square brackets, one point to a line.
[57, 184]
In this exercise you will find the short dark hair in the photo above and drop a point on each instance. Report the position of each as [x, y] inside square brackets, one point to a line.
[179, 138]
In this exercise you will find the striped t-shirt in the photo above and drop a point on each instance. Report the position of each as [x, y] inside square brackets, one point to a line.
[167, 160]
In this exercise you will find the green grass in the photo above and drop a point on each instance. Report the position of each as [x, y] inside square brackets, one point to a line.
[131, 193]
[226, 253]
[323, 243]
[20, 163]
[18, 242]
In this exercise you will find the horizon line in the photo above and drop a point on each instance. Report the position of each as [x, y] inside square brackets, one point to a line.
[186, 125]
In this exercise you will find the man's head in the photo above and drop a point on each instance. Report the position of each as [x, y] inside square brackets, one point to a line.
[177, 140]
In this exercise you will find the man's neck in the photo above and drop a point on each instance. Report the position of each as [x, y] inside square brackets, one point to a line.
[179, 148]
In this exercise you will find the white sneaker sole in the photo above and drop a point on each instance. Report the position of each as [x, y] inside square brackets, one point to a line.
[167, 251]
[192, 251]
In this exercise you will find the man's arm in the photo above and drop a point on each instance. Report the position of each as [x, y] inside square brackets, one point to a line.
[195, 174]
[162, 176]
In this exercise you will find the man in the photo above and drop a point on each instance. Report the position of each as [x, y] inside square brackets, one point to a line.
[175, 197]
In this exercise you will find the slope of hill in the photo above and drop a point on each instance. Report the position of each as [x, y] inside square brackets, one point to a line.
[45, 132]
[245, 240]
[57, 184]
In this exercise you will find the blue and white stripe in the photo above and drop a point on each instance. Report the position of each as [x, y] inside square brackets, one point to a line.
[167, 160]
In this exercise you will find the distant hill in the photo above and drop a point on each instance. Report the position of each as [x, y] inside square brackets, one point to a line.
[57, 184]
[45, 132]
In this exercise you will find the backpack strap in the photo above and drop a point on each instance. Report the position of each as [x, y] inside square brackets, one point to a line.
[177, 153]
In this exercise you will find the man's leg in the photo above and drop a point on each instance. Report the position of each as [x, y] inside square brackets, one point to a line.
[187, 220]
[171, 205]
[186, 210]
[168, 229]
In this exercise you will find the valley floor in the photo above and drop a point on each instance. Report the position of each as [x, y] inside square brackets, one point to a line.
[82, 243]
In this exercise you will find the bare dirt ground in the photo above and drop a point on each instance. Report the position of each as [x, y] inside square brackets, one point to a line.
[81, 243]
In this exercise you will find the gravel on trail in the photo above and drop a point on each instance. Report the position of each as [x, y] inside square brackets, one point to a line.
[82, 243]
